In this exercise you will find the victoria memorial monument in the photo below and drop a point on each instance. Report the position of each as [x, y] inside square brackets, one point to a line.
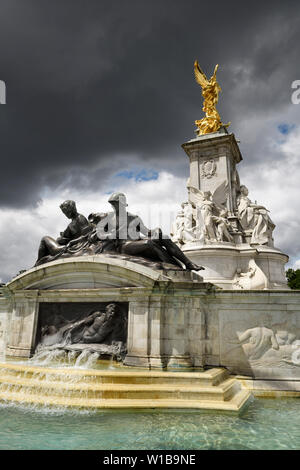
[212, 294]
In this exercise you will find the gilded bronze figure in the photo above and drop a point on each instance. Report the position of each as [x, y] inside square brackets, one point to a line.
[210, 92]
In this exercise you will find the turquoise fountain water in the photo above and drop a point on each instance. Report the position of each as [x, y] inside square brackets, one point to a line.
[266, 424]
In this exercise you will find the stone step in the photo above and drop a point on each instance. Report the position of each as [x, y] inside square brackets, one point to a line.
[224, 391]
[235, 404]
[209, 377]
[211, 389]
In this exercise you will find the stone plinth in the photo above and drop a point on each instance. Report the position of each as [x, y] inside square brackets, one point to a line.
[213, 159]
[227, 265]
[173, 321]
[155, 299]
[219, 227]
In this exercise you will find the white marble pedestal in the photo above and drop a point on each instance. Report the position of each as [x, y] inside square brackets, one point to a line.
[231, 266]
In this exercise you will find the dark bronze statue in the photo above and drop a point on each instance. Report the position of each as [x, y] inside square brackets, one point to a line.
[50, 248]
[121, 231]
[118, 233]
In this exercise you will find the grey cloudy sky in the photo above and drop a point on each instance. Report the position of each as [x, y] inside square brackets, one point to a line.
[99, 91]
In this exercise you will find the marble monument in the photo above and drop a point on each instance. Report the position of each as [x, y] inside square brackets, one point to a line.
[113, 287]
[220, 225]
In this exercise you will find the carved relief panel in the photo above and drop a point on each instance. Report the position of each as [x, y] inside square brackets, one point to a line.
[208, 169]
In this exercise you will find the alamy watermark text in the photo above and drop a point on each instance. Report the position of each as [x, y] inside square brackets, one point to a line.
[2, 92]
[295, 98]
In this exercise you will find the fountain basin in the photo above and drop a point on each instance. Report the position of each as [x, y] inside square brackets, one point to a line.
[266, 424]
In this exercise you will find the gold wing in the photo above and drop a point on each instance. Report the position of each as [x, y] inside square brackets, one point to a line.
[200, 76]
[215, 72]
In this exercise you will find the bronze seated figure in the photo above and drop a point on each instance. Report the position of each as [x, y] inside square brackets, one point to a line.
[117, 233]
[50, 248]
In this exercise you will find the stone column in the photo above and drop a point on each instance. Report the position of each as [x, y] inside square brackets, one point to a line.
[138, 333]
[145, 343]
[23, 324]
[176, 331]
[158, 329]
[5, 312]
[197, 328]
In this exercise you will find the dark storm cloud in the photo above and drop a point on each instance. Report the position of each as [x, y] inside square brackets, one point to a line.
[97, 86]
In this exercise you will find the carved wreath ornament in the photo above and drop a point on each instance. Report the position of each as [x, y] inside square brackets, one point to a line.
[208, 169]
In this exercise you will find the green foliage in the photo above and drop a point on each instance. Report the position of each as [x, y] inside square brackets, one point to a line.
[293, 278]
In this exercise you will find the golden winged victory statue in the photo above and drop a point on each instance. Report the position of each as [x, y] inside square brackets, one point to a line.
[210, 92]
